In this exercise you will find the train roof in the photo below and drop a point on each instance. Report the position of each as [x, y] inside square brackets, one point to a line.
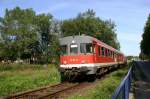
[85, 39]
[76, 39]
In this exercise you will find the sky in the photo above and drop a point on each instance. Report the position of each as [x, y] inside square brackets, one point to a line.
[129, 16]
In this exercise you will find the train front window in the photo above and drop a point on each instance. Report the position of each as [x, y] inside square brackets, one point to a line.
[64, 49]
[73, 48]
[86, 48]
[83, 48]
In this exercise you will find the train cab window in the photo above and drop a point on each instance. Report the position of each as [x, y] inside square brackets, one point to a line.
[73, 49]
[86, 48]
[63, 49]
[89, 48]
[103, 51]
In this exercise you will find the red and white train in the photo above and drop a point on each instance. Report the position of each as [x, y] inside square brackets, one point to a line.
[86, 55]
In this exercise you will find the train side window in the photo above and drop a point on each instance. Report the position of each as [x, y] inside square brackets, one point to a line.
[108, 52]
[112, 54]
[103, 51]
[64, 49]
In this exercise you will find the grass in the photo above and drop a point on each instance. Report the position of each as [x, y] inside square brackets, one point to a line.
[20, 77]
[16, 78]
[105, 88]
[14, 67]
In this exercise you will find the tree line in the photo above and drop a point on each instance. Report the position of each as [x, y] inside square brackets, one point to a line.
[145, 43]
[35, 37]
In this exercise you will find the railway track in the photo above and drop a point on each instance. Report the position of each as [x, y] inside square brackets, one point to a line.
[48, 92]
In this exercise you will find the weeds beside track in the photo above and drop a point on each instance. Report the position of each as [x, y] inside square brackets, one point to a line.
[46, 92]
[59, 90]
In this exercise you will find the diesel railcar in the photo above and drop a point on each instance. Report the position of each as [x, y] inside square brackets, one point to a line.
[87, 56]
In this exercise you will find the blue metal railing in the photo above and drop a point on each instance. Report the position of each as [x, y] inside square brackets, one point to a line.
[122, 92]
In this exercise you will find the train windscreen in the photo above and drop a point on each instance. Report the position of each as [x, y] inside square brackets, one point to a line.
[73, 49]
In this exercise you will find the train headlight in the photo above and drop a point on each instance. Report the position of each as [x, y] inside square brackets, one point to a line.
[83, 61]
[65, 62]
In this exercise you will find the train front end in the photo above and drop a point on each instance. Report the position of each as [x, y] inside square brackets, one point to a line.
[76, 57]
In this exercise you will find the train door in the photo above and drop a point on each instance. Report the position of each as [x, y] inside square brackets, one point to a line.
[99, 54]
[115, 57]
[95, 57]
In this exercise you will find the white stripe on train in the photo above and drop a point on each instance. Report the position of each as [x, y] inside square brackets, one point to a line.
[90, 65]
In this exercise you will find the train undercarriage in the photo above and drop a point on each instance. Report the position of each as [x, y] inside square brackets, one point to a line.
[85, 73]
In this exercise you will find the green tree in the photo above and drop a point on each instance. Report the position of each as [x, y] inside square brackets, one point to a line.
[18, 30]
[87, 23]
[43, 23]
[39, 48]
[27, 35]
[145, 47]
[53, 50]
[48, 44]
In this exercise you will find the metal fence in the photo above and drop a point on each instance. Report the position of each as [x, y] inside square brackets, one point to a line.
[122, 92]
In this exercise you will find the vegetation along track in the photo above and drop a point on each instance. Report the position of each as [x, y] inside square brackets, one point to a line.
[48, 92]
[52, 92]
